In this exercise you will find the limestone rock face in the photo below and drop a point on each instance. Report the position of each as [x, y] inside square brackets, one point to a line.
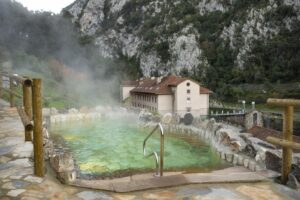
[207, 6]
[76, 9]
[168, 37]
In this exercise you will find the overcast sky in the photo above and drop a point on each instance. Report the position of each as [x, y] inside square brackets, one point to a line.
[46, 5]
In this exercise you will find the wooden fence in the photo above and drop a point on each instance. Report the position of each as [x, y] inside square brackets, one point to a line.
[287, 141]
[30, 112]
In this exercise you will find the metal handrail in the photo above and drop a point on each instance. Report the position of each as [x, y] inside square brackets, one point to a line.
[159, 166]
[155, 156]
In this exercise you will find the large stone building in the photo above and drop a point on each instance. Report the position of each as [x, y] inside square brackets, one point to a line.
[169, 94]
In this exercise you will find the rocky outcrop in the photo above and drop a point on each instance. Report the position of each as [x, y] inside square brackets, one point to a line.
[207, 6]
[254, 28]
[137, 29]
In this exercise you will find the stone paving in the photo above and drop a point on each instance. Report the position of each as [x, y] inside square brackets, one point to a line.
[18, 182]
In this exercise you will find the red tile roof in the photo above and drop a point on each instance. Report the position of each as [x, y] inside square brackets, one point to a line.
[204, 90]
[130, 83]
[162, 85]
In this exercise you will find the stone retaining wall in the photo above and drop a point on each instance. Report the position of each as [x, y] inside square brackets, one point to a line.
[228, 142]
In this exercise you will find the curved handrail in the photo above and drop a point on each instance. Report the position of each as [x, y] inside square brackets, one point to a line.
[154, 154]
[161, 149]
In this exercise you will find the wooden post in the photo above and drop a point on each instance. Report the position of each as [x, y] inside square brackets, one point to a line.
[287, 135]
[38, 128]
[11, 95]
[283, 143]
[284, 102]
[25, 120]
[287, 142]
[1, 83]
[27, 98]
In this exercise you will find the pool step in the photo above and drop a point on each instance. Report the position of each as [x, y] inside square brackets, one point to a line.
[130, 184]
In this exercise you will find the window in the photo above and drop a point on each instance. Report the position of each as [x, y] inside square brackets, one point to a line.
[188, 100]
[188, 109]
[188, 91]
[188, 84]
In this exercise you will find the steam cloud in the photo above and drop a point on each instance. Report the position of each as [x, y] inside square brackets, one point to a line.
[42, 44]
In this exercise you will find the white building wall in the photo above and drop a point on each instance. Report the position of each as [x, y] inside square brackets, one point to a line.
[125, 91]
[164, 104]
[191, 102]
[204, 104]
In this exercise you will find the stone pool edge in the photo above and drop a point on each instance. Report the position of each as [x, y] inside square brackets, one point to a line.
[130, 184]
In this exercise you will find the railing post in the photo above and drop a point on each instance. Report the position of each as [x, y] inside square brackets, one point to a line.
[287, 141]
[11, 95]
[1, 83]
[38, 129]
[162, 154]
[1, 80]
[287, 135]
[27, 102]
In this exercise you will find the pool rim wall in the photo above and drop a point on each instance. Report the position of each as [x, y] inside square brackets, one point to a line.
[207, 130]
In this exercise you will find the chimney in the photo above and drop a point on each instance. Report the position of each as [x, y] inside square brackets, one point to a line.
[140, 81]
[158, 79]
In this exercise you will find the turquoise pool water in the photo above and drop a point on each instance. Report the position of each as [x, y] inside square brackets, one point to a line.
[114, 147]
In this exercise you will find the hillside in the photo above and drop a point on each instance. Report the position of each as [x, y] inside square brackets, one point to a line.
[240, 49]
[218, 42]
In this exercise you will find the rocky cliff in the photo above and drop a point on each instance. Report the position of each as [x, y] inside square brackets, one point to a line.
[173, 36]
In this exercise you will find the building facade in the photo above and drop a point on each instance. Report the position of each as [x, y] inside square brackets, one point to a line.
[169, 94]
